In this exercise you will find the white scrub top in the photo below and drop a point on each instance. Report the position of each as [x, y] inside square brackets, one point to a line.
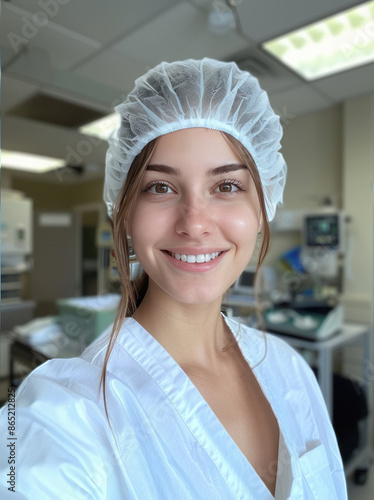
[164, 442]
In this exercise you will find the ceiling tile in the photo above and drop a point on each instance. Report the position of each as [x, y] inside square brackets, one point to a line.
[180, 33]
[61, 46]
[12, 25]
[63, 50]
[98, 19]
[114, 69]
[298, 101]
[359, 81]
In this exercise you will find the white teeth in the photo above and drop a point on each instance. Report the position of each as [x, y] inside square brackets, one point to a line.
[193, 259]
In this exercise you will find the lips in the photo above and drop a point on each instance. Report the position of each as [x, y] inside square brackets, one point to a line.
[195, 259]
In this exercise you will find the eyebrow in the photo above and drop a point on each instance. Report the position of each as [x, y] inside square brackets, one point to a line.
[164, 169]
[224, 169]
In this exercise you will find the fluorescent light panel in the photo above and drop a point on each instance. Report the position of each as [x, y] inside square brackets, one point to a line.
[103, 127]
[29, 162]
[335, 44]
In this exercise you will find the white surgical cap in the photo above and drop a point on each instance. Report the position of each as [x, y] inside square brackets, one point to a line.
[209, 94]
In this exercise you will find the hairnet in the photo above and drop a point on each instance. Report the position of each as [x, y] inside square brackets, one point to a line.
[207, 93]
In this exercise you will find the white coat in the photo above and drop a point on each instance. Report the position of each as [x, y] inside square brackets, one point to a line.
[164, 441]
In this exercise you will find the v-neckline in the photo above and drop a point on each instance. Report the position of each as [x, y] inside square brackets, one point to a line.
[196, 412]
[255, 366]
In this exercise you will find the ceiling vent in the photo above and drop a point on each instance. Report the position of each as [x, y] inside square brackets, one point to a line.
[256, 63]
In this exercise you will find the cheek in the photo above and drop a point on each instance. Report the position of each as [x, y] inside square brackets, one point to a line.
[147, 226]
[241, 223]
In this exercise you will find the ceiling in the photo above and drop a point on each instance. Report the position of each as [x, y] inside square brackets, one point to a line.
[65, 61]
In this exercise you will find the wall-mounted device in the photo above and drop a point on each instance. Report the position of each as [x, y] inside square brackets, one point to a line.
[322, 243]
[324, 231]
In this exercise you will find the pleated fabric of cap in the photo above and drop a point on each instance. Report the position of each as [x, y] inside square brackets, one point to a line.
[206, 93]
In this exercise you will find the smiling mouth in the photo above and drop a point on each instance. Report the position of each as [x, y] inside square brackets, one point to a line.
[195, 259]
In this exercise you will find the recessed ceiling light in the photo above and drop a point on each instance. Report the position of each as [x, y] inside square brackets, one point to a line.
[329, 46]
[29, 162]
[103, 127]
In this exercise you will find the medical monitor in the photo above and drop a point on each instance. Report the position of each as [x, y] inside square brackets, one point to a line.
[245, 284]
[323, 230]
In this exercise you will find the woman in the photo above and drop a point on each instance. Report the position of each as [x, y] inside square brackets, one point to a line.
[193, 405]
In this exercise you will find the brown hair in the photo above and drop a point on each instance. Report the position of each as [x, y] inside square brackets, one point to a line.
[133, 292]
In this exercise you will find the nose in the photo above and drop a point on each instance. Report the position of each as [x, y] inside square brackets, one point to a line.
[195, 218]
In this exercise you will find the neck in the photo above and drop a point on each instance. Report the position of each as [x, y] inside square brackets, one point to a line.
[193, 334]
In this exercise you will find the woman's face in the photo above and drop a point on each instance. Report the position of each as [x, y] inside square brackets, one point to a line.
[195, 222]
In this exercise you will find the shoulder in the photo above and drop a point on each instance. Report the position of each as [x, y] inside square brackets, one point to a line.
[73, 376]
[60, 419]
[77, 380]
[61, 394]
[60, 399]
[80, 375]
[67, 390]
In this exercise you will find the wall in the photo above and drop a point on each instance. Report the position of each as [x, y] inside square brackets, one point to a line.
[312, 147]
[45, 196]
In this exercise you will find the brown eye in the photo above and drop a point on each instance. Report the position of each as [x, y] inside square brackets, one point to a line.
[225, 188]
[228, 187]
[160, 189]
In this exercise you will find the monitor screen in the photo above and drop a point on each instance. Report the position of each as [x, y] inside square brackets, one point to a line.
[322, 230]
[246, 281]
